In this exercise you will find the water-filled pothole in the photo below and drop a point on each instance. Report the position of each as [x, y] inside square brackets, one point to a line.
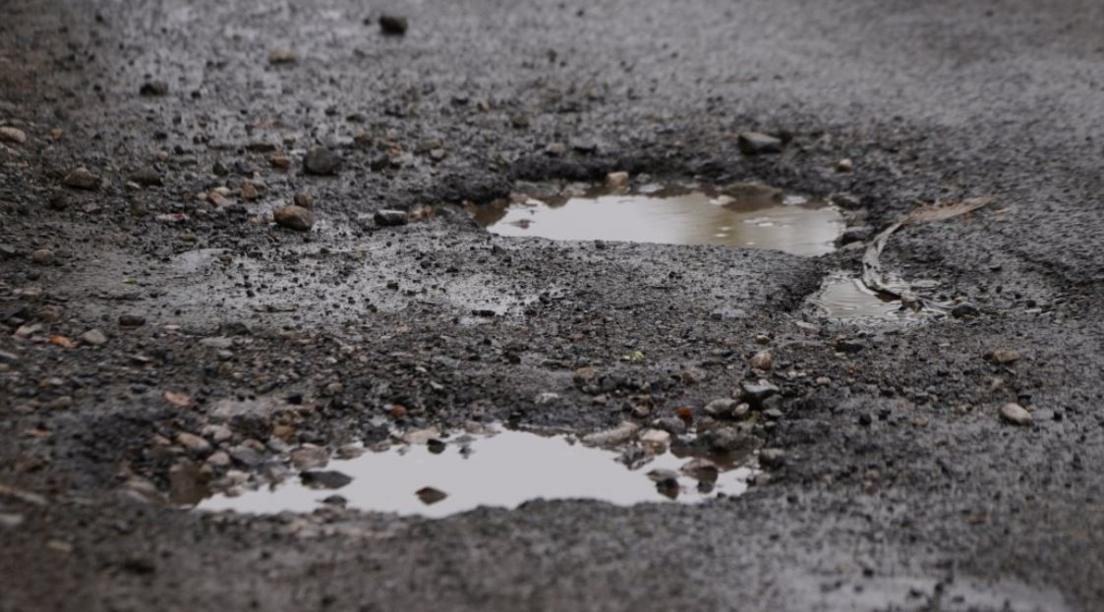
[843, 298]
[503, 469]
[739, 215]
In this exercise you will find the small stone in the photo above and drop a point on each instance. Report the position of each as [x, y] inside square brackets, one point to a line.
[773, 414]
[1004, 356]
[305, 200]
[849, 345]
[186, 483]
[856, 233]
[763, 360]
[393, 25]
[219, 459]
[321, 161]
[756, 392]
[280, 161]
[282, 56]
[672, 424]
[845, 165]
[93, 337]
[729, 439]
[584, 376]
[965, 310]
[131, 320]
[42, 257]
[81, 178]
[555, 149]
[192, 442]
[430, 496]
[14, 135]
[617, 180]
[622, 433]
[757, 143]
[9, 520]
[248, 191]
[722, 408]
[661, 475]
[330, 479]
[309, 457]
[1015, 414]
[147, 177]
[390, 218]
[154, 88]
[772, 458]
[656, 438]
[294, 218]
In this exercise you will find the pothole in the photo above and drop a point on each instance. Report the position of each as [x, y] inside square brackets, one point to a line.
[843, 298]
[436, 475]
[746, 215]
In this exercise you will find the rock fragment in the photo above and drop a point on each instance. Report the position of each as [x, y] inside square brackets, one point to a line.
[93, 337]
[282, 56]
[321, 161]
[390, 218]
[430, 496]
[131, 320]
[1004, 356]
[1015, 414]
[763, 360]
[329, 479]
[81, 178]
[12, 135]
[757, 143]
[294, 218]
[153, 88]
[622, 433]
[393, 25]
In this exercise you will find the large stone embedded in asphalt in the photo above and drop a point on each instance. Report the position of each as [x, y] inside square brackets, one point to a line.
[756, 392]
[757, 143]
[321, 161]
[294, 218]
[390, 218]
[1015, 414]
[324, 479]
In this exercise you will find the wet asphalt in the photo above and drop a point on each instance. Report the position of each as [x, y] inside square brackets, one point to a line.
[901, 486]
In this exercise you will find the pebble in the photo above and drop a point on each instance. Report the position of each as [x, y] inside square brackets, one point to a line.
[219, 459]
[721, 408]
[42, 257]
[1015, 414]
[555, 149]
[81, 178]
[763, 360]
[93, 337]
[772, 458]
[330, 479]
[622, 433]
[663, 475]
[617, 180]
[192, 442]
[10, 134]
[154, 88]
[656, 438]
[1004, 356]
[393, 25]
[282, 56]
[845, 165]
[321, 161]
[856, 233]
[294, 218]
[757, 143]
[309, 457]
[390, 218]
[728, 439]
[430, 496]
[965, 310]
[131, 320]
[756, 392]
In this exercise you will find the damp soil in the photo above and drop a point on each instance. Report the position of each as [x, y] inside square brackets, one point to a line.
[502, 469]
[742, 215]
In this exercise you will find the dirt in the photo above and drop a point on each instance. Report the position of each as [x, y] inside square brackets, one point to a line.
[893, 481]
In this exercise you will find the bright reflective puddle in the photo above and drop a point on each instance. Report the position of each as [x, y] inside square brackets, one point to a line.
[745, 215]
[843, 298]
[502, 469]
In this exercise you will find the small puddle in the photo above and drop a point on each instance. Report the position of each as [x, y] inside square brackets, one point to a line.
[741, 215]
[843, 298]
[503, 469]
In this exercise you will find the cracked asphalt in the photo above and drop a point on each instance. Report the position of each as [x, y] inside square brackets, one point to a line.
[902, 487]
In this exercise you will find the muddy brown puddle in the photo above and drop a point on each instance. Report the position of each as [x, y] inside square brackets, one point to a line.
[747, 215]
[499, 469]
